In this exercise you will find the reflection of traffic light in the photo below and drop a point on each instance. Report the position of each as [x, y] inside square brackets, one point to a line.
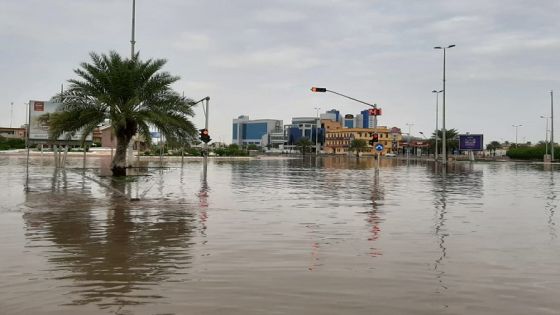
[375, 137]
[204, 136]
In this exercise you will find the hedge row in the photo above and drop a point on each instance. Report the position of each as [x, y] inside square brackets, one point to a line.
[530, 153]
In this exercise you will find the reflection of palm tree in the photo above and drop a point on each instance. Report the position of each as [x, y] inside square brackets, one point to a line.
[111, 260]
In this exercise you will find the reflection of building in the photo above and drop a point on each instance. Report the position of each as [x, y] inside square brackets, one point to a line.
[13, 133]
[262, 132]
[338, 140]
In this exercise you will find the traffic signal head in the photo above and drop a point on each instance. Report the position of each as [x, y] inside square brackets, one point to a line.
[375, 137]
[318, 89]
[371, 142]
[204, 136]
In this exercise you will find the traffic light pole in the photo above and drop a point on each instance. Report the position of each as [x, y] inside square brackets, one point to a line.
[206, 124]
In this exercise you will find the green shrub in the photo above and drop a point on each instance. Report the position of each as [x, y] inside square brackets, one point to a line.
[529, 153]
[9, 144]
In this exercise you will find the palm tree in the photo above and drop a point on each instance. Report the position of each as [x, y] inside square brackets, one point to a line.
[452, 139]
[493, 146]
[304, 145]
[358, 145]
[132, 94]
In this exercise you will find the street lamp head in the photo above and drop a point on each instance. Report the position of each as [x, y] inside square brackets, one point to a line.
[438, 47]
[450, 46]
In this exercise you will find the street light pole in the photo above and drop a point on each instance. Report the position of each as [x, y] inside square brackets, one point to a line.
[437, 118]
[408, 142]
[516, 127]
[11, 112]
[317, 131]
[546, 135]
[551, 126]
[444, 136]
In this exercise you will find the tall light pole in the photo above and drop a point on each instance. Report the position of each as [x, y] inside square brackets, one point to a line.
[546, 135]
[551, 126]
[317, 131]
[132, 41]
[437, 118]
[130, 149]
[516, 128]
[443, 131]
[11, 113]
[408, 142]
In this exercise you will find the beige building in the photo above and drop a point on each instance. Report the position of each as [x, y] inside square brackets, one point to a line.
[13, 133]
[337, 141]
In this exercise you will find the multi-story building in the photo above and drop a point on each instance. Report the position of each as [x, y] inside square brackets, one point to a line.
[338, 141]
[261, 132]
[13, 133]
[304, 127]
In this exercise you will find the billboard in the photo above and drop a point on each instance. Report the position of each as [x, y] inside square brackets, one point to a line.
[471, 142]
[39, 112]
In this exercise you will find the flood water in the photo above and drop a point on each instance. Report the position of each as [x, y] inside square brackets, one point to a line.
[280, 236]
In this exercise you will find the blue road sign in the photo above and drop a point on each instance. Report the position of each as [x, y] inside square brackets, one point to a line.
[379, 147]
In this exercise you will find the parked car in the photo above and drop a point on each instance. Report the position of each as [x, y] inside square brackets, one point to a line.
[390, 155]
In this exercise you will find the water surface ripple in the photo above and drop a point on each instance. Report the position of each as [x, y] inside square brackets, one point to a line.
[279, 236]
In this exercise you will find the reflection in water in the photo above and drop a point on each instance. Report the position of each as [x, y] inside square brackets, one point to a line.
[203, 197]
[551, 205]
[440, 204]
[374, 219]
[287, 236]
[113, 251]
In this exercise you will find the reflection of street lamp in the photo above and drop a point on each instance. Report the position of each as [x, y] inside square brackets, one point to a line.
[317, 131]
[516, 128]
[546, 135]
[444, 138]
[437, 118]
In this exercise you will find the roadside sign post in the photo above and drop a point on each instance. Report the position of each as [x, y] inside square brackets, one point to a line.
[379, 147]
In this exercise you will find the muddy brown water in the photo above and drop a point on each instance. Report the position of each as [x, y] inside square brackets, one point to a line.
[280, 236]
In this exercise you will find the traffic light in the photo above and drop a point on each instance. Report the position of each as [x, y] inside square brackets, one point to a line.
[375, 137]
[318, 89]
[371, 142]
[204, 136]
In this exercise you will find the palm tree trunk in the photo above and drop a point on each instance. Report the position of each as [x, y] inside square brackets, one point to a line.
[118, 166]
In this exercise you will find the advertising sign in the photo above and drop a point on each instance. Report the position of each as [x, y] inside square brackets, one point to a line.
[39, 112]
[471, 142]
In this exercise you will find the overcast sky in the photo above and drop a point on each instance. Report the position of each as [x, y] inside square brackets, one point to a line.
[260, 58]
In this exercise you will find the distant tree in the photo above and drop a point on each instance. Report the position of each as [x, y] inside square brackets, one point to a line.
[252, 147]
[304, 145]
[358, 145]
[493, 146]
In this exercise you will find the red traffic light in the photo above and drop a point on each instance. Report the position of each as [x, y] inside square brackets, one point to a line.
[318, 89]
[205, 132]
[375, 137]
[375, 111]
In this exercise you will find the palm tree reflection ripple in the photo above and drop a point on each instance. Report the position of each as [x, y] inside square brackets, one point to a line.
[114, 250]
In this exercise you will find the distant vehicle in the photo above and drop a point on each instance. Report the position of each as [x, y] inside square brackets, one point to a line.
[390, 155]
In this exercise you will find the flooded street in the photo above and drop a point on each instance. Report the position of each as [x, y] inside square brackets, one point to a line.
[280, 236]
